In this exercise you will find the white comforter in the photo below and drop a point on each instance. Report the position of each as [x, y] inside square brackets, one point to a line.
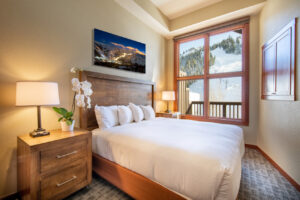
[198, 160]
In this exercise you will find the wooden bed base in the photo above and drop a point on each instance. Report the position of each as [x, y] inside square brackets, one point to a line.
[135, 185]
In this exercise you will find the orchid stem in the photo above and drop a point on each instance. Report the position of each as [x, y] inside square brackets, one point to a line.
[73, 104]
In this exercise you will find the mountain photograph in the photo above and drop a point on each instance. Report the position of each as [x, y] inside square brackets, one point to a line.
[118, 52]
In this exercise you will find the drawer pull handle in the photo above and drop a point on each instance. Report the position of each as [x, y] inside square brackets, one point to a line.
[67, 181]
[61, 156]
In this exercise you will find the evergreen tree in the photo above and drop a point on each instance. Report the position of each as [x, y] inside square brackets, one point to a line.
[192, 60]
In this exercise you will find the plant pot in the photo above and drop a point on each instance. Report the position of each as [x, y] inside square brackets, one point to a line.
[66, 127]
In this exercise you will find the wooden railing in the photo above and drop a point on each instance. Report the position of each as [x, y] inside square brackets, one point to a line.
[196, 108]
[232, 110]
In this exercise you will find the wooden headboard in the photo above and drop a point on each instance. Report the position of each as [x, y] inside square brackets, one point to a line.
[114, 90]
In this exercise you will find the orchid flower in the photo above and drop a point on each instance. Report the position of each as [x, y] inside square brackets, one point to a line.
[83, 90]
[76, 85]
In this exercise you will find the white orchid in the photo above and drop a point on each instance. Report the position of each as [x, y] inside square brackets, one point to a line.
[85, 85]
[76, 85]
[88, 92]
[88, 101]
[73, 70]
[80, 100]
[82, 90]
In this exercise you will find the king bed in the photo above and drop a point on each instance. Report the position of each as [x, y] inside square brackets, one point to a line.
[161, 158]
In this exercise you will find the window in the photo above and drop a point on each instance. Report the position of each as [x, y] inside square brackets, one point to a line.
[211, 79]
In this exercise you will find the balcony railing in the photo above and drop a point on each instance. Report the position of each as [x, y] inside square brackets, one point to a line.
[231, 110]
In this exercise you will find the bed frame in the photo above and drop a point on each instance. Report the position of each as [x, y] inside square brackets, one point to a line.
[114, 90]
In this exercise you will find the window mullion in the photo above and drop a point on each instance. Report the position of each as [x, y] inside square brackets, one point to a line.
[226, 74]
[190, 77]
[206, 81]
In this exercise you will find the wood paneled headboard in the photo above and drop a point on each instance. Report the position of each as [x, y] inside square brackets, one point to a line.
[114, 90]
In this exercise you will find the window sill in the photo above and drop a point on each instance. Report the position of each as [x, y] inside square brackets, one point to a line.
[239, 122]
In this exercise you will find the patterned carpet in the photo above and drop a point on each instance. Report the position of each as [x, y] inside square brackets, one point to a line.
[260, 181]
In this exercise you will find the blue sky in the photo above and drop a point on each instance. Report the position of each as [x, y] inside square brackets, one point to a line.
[187, 45]
[219, 37]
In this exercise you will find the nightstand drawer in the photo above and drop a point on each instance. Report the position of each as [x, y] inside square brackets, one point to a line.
[63, 155]
[66, 182]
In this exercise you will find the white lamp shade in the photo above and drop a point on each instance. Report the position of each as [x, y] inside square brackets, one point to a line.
[36, 93]
[168, 95]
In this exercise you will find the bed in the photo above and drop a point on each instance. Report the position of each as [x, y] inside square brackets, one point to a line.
[162, 158]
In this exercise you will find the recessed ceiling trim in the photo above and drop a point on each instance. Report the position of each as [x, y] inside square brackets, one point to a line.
[215, 27]
[176, 8]
[144, 16]
[148, 19]
[217, 20]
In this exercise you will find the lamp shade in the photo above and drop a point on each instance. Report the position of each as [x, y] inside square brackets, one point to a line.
[168, 95]
[36, 93]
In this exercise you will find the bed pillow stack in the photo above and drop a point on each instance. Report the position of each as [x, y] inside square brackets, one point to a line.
[107, 116]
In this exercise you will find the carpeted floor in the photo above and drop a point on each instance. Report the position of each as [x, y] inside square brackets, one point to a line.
[260, 181]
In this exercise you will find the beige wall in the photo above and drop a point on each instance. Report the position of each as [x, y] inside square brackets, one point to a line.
[279, 132]
[250, 132]
[42, 40]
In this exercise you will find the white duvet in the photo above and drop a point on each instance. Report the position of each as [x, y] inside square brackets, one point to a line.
[198, 160]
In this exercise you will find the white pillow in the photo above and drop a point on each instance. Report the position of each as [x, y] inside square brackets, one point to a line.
[148, 112]
[137, 112]
[125, 115]
[107, 116]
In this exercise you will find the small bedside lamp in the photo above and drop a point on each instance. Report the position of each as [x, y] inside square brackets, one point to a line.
[168, 96]
[37, 94]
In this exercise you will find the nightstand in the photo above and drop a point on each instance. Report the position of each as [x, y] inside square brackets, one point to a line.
[54, 166]
[167, 115]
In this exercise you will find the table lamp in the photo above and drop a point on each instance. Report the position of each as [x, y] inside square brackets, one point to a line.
[168, 96]
[37, 94]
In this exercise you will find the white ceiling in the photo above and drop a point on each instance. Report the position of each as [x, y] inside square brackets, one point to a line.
[177, 8]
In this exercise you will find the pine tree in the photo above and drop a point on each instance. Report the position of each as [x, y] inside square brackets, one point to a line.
[192, 60]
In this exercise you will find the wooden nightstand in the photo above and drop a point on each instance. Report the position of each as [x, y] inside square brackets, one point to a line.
[167, 115]
[54, 166]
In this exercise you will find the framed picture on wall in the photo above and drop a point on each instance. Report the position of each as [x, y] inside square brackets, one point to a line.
[118, 52]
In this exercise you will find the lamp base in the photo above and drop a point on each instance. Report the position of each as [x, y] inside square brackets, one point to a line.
[39, 132]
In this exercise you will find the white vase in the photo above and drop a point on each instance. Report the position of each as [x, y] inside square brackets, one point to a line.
[66, 127]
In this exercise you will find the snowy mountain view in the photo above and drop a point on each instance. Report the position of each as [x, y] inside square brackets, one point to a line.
[225, 56]
[118, 52]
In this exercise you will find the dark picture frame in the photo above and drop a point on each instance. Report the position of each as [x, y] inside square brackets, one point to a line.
[118, 52]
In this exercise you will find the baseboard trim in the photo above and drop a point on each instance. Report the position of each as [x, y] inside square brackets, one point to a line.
[12, 196]
[281, 171]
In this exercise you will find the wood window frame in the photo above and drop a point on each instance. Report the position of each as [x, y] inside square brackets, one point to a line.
[243, 24]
